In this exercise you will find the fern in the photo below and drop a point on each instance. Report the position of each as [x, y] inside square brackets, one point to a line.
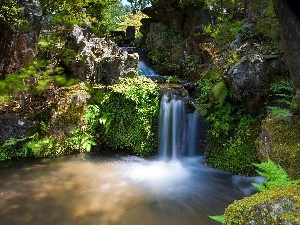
[219, 218]
[279, 111]
[275, 176]
[219, 91]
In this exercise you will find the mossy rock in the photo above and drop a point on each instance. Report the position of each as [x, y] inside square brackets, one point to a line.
[68, 111]
[273, 207]
[280, 141]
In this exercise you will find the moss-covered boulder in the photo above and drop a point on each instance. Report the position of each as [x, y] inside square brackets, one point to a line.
[70, 105]
[280, 141]
[64, 132]
[273, 207]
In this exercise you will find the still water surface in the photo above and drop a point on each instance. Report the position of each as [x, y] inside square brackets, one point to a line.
[116, 190]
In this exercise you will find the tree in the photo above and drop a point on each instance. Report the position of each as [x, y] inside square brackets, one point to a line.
[288, 14]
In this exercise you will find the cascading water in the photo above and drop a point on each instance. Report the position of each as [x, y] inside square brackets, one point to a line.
[178, 129]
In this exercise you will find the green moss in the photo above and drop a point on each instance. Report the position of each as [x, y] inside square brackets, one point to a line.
[71, 105]
[13, 148]
[280, 142]
[273, 207]
[236, 154]
[127, 112]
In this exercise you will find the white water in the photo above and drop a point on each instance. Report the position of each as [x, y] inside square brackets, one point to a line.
[178, 130]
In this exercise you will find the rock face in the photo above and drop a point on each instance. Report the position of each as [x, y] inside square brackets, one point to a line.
[171, 33]
[12, 127]
[19, 46]
[250, 76]
[98, 60]
[68, 108]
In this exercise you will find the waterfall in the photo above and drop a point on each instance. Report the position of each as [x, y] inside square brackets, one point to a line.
[178, 129]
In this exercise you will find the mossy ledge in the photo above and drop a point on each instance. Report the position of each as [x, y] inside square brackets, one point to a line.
[280, 141]
[273, 207]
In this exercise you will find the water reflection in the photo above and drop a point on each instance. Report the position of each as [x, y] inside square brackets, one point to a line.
[119, 190]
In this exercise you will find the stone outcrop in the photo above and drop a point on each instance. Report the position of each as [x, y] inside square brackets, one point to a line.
[98, 60]
[69, 106]
[250, 77]
[19, 46]
[171, 33]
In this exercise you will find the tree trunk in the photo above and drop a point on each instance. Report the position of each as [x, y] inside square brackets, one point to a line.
[288, 14]
[18, 47]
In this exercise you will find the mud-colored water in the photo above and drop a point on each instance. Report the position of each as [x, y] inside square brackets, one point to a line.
[116, 190]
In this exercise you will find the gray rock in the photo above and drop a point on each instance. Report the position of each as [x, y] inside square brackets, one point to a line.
[13, 127]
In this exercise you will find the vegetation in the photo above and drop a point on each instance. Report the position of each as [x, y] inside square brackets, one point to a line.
[275, 176]
[278, 190]
[36, 76]
[127, 113]
[283, 144]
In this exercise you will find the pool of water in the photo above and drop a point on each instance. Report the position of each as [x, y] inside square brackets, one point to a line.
[116, 190]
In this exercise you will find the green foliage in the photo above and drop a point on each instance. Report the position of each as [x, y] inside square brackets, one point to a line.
[132, 20]
[82, 140]
[219, 218]
[224, 32]
[219, 91]
[211, 102]
[282, 86]
[44, 147]
[10, 11]
[235, 152]
[126, 113]
[172, 80]
[13, 148]
[220, 120]
[275, 176]
[267, 27]
[282, 97]
[35, 77]
[279, 111]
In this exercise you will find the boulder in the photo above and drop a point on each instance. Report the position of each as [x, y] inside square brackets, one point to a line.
[278, 206]
[68, 107]
[250, 76]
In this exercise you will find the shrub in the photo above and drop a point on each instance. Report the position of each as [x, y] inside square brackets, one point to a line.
[127, 112]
